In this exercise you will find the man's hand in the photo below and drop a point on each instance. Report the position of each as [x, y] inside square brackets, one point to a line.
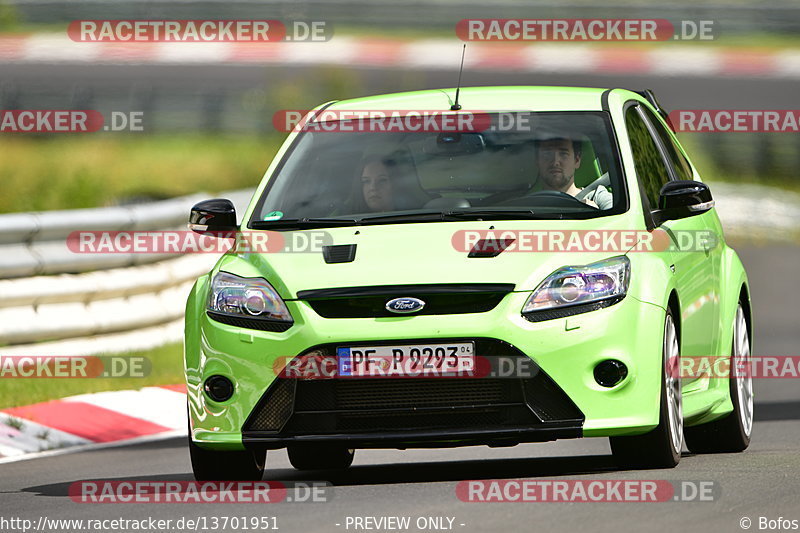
[591, 203]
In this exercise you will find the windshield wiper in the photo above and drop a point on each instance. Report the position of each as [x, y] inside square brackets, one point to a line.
[451, 215]
[423, 216]
[509, 214]
[303, 223]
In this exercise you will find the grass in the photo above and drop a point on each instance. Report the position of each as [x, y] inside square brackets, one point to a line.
[15, 423]
[40, 173]
[166, 369]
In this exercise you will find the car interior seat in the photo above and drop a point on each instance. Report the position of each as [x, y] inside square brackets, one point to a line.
[406, 187]
[590, 166]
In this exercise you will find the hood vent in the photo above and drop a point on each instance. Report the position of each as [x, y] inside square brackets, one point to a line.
[490, 247]
[339, 253]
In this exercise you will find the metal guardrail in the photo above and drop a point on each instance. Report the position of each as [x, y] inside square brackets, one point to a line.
[118, 298]
[32, 323]
[36, 243]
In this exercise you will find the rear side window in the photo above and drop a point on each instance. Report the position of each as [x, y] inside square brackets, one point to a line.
[683, 171]
[650, 167]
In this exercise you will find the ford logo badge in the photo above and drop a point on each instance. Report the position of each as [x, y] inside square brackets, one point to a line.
[405, 305]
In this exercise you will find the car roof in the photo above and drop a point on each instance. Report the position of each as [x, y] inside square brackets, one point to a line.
[508, 98]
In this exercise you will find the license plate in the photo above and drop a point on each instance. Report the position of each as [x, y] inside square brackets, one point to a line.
[407, 360]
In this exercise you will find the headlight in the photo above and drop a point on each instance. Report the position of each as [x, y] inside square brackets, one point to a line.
[252, 298]
[566, 290]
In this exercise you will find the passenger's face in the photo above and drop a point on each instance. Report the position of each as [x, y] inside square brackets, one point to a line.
[377, 187]
[557, 164]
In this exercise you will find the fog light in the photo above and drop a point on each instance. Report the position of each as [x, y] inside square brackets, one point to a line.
[218, 388]
[609, 373]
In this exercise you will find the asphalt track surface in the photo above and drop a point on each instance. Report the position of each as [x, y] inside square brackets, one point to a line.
[764, 481]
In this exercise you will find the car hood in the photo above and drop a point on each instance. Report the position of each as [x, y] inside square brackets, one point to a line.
[420, 253]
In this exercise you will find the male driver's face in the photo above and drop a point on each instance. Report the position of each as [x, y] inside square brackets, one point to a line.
[557, 164]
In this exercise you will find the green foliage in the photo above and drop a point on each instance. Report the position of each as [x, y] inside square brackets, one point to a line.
[76, 171]
[9, 18]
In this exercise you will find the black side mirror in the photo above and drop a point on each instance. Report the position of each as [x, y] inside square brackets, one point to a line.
[681, 199]
[215, 217]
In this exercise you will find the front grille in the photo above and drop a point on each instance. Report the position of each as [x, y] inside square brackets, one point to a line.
[336, 406]
[369, 302]
[277, 411]
[403, 393]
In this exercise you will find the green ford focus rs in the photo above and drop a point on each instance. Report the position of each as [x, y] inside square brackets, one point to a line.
[522, 265]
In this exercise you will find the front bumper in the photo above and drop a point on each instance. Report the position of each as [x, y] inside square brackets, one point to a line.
[423, 439]
[566, 350]
[506, 404]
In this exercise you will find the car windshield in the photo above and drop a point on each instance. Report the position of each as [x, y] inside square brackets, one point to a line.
[515, 165]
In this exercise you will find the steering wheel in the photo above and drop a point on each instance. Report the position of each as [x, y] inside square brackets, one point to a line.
[503, 195]
[558, 196]
[603, 180]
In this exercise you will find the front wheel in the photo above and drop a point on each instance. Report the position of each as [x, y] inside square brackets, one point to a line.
[210, 465]
[731, 433]
[660, 448]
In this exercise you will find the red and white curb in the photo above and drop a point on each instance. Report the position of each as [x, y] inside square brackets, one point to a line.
[92, 420]
[664, 60]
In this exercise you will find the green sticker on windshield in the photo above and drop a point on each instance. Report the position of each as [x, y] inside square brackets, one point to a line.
[273, 215]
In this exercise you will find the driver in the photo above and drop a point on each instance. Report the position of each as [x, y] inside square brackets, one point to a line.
[558, 159]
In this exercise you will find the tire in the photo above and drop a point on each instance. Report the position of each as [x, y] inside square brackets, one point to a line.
[661, 447]
[732, 433]
[319, 457]
[210, 465]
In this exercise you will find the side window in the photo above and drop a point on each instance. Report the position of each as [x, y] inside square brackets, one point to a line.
[683, 171]
[650, 167]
